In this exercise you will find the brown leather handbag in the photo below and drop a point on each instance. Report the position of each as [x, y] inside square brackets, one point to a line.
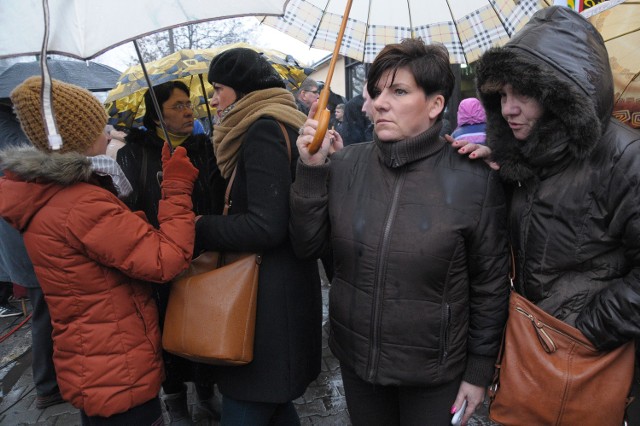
[211, 313]
[548, 373]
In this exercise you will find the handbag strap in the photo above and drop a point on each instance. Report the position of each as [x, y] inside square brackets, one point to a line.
[286, 138]
[493, 388]
[227, 192]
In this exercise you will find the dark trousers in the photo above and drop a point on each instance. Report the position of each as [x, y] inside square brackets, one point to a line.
[147, 414]
[44, 373]
[375, 405]
[248, 413]
[6, 290]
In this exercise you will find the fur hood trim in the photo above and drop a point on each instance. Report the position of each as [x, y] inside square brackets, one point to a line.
[559, 59]
[30, 164]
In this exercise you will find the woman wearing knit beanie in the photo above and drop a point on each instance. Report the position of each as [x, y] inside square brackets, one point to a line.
[252, 149]
[140, 160]
[91, 254]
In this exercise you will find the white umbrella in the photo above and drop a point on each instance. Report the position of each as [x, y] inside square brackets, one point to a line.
[86, 28]
[466, 27]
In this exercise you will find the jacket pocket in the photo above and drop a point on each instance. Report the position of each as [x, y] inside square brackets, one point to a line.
[444, 333]
[141, 316]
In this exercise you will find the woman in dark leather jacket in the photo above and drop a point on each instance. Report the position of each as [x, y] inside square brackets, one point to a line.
[573, 172]
[419, 295]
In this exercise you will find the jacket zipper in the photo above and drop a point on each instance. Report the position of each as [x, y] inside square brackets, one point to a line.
[378, 284]
[519, 272]
[446, 322]
[546, 341]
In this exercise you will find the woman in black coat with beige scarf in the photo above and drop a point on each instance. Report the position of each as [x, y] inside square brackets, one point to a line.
[251, 101]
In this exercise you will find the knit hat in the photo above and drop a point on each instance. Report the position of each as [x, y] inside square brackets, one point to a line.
[244, 70]
[79, 115]
[471, 111]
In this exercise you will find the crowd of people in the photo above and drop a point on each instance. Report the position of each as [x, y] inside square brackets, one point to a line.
[418, 237]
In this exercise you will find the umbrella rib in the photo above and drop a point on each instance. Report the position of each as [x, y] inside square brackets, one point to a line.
[623, 34]
[627, 86]
[153, 94]
[455, 24]
[493, 6]
[206, 101]
[366, 29]
[413, 35]
[317, 29]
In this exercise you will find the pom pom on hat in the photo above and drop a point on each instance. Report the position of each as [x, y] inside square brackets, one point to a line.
[79, 115]
[244, 70]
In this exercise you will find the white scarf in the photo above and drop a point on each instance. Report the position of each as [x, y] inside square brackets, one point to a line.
[104, 165]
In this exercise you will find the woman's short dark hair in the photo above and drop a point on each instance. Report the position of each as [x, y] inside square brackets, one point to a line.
[163, 92]
[428, 63]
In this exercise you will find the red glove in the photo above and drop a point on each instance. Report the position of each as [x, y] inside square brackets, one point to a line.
[177, 167]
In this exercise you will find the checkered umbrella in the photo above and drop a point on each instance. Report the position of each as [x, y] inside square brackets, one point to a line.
[466, 27]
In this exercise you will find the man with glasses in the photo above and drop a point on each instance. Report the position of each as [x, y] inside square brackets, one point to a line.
[140, 160]
[308, 93]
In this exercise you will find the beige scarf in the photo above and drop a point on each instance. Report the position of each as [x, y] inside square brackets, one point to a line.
[276, 103]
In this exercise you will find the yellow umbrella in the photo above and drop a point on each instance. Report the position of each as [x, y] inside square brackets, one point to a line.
[125, 102]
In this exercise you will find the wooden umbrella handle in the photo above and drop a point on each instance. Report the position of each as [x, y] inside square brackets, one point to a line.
[322, 114]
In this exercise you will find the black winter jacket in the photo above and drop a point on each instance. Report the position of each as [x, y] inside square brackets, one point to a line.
[419, 294]
[288, 339]
[575, 204]
[208, 189]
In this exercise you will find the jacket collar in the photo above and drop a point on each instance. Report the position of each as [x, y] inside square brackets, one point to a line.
[31, 164]
[399, 153]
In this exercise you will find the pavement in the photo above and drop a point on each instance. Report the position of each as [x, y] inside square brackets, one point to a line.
[323, 404]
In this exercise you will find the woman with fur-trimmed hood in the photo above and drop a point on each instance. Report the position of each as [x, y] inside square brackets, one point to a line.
[573, 172]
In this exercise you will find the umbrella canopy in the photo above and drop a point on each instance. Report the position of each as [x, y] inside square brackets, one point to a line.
[125, 102]
[86, 28]
[619, 23]
[90, 75]
[466, 27]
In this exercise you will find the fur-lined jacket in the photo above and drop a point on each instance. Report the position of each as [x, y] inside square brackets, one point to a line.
[89, 252]
[575, 182]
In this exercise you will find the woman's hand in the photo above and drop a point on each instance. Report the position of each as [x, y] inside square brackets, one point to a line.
[474, 396]
[307, 132]
[475, 151]
[336, 142]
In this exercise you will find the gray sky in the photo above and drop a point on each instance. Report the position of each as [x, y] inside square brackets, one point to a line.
[268, 38]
